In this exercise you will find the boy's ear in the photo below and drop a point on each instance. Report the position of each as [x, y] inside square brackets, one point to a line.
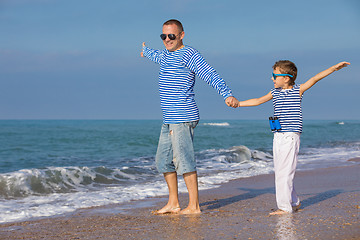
[287, 79]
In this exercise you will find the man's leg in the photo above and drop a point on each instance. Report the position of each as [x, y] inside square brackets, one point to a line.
[191, 182]
[173, 203]
[164, 164]
[184, 161]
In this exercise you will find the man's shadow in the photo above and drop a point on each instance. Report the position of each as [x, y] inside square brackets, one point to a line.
[250, 193]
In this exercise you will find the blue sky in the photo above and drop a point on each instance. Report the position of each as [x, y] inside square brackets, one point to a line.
[66, 59]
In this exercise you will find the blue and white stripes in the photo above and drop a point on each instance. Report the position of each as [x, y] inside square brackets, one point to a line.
[287, 107]
[176, 82]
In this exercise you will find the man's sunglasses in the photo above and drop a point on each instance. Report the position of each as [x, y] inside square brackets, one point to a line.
[277, 75]
[170, 36]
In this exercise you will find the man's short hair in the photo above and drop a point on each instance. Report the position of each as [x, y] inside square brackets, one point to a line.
[176, 22]
[287, 67]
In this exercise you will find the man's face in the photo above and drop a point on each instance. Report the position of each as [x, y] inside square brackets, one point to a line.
[176, 44]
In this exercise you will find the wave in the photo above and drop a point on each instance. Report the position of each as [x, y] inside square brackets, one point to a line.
[50, 180]
[30, 193]
[53, 180]
[33, 193]
[28, 182]
[61, 203]
[335, 154]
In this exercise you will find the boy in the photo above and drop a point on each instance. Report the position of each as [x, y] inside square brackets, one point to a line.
[287, 109]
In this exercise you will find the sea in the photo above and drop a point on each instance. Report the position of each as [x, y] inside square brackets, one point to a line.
[55, 167]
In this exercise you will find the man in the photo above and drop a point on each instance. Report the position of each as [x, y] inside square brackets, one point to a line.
[175, 154]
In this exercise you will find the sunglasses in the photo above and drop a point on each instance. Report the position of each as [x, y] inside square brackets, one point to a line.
[170, 36]
[278, 75]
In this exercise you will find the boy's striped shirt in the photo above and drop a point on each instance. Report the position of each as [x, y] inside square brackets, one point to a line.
[287, 107]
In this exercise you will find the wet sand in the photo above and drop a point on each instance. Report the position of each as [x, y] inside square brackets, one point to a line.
[236, 210]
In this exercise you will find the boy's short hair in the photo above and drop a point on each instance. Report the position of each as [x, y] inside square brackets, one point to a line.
[176, 22]
[287, 67]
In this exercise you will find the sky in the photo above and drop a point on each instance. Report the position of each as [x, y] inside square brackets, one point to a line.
[67, 59]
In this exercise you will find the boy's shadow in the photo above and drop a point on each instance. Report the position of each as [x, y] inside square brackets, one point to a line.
[251, 193]
[320, 197]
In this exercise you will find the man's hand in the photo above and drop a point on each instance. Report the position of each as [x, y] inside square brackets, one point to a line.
[142, 54]
[232, 102]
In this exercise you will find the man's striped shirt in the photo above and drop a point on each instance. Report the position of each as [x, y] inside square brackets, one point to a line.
[177, 79]
[287, 107]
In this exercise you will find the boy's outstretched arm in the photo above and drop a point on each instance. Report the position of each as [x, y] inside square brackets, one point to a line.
[255, 101]
[321, 75]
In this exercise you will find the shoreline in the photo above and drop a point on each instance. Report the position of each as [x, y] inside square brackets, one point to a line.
[236, 210]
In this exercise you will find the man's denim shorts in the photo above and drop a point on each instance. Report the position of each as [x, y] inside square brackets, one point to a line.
[175, 151]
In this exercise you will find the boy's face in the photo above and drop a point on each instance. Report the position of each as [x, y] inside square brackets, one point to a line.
[281, 81]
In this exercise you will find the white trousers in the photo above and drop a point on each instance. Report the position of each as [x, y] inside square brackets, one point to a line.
[286, 148]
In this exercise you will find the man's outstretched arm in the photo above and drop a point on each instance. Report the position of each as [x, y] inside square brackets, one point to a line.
[142, 52]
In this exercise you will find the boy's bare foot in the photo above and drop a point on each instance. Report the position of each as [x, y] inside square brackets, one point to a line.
[279, 212]
[190, 211]
[167, 210]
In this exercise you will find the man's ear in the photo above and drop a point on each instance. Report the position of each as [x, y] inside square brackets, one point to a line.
[182, 35]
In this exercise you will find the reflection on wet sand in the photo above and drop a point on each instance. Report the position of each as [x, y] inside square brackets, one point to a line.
[285, 227]
[191, 222]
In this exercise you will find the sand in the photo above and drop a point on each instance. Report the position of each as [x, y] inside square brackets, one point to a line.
[236, 210]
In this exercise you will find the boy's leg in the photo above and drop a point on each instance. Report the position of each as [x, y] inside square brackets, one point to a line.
[286, 148]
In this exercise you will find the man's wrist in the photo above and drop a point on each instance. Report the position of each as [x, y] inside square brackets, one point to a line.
[227, 96]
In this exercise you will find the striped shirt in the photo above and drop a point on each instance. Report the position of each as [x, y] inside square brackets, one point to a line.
[177, 79]
[287, 107]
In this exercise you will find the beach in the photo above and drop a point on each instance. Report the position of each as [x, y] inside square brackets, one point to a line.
[238, 209]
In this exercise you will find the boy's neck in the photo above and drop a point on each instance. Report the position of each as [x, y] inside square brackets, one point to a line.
[287, 87]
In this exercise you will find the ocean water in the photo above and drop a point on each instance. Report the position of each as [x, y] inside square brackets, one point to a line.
[54, 167]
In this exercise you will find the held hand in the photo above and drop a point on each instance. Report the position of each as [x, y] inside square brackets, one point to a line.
[340, 65]
[232, 102]
[142, 54]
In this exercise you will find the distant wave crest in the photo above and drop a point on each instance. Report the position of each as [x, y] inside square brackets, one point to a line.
[222, 124]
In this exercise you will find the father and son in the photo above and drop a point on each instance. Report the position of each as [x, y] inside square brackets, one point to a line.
[179, 64]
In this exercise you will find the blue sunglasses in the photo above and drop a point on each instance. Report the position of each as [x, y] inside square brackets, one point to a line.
[277, 75]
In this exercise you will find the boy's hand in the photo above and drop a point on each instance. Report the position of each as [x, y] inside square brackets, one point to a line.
[340, 65]
[142, 54]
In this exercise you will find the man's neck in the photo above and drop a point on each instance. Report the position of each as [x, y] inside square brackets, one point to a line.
[182, 46]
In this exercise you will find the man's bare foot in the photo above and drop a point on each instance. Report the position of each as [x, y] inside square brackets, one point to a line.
[279, 212]
[167, 210]
[190, 211]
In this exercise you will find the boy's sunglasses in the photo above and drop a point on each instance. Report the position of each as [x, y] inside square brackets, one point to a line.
[170, 36]
[277, 75]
